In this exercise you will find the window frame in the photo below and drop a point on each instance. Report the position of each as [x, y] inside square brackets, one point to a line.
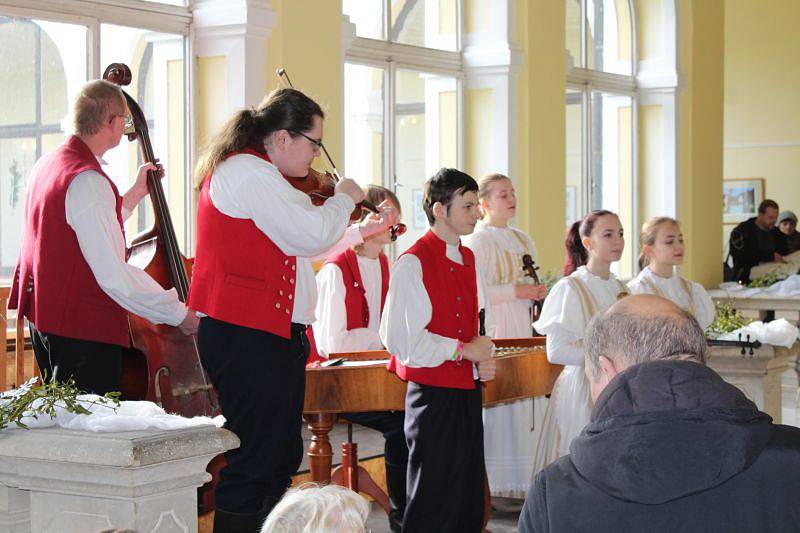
[141, 14]
[587, 81]
[392, 56]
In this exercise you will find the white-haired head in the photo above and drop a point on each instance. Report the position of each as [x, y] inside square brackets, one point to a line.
[311, 508]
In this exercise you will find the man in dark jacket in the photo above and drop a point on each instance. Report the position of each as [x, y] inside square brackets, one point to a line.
[671, 446]
[756, 240]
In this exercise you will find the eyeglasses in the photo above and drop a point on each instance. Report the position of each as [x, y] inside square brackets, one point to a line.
[315, 142]
[128, 119]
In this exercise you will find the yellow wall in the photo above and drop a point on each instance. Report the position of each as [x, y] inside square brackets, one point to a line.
[762, 88]
[307, 42]
[212, 93]
[479, 136]
[542, 87]
[651, 160]
[700, 117]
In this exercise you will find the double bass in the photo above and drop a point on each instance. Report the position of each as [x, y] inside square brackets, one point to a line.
[163, 365]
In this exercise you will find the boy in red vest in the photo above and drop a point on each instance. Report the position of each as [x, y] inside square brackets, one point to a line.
[352, 289]
[72, 282]
[430, 326]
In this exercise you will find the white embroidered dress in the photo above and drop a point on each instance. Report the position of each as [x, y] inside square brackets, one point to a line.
[510, 431]
[686, 294]
[569, 307]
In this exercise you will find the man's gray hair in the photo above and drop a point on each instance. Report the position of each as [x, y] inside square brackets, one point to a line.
[634, 338]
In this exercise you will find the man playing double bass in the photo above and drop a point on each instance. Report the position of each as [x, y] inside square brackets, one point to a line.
[72, 282]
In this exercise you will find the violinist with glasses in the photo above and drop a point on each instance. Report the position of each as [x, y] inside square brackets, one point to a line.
[255, 286]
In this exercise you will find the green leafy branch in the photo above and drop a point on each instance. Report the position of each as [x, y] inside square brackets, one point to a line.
[726, 319]
[33, 400]
[766, 280]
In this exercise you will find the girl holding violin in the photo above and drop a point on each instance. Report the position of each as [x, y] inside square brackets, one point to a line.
[509, 430]
[352, 289]
[255, 286]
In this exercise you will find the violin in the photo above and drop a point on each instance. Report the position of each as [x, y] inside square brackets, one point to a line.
[530, 268]
[320, 186]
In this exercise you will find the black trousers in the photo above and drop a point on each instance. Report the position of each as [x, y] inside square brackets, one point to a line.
[96, 367]
[260, 383]
[390, 424]
[444, 429]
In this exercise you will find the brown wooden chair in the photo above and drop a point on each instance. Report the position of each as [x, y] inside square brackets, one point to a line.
[14, 344]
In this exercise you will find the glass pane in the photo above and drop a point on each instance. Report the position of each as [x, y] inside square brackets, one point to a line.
[363, 123]
[612, 162]
[426, 125]
[429, 23]
[43, 65]
[573, 30]
[608, 36]
[170, 2]
[367, 15]
[156, 62]
[574, 131]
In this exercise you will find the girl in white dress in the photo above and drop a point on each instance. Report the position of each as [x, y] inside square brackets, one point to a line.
[510, 431]
[662, 250]
[588, 288]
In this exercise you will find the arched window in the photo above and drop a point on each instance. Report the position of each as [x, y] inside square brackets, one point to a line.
[402, 97]
[48, 55]
[601, 102]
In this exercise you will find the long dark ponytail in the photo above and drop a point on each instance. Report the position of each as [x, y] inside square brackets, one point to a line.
[282, 109]
[576, 254]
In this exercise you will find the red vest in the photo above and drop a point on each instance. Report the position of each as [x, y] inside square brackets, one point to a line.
[240, 276]
[453, 291]
[355, 300]
[53, 286]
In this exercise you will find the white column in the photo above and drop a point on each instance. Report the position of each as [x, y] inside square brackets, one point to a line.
[237, 30]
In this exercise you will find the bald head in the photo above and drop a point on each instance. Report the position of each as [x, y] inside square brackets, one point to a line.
[638, 329]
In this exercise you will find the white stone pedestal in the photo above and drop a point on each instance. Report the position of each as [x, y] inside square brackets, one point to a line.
[758, 375]
[62, 481]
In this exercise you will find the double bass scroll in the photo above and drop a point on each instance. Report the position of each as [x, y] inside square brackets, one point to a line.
[173, 375]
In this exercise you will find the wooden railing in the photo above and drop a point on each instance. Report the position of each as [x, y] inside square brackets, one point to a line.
[15, 348]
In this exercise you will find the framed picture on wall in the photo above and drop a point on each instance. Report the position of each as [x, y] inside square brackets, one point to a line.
[740, 199]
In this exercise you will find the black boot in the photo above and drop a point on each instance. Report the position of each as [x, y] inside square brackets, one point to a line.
[227, 522]
[396, 486]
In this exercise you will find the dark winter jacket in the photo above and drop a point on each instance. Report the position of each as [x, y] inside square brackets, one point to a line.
[671, 447]
[747, 252]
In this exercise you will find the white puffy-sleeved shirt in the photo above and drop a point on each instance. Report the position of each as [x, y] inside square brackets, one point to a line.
[90, 208]
[498, 258]
[564, 317]
[408, 311]
[330, 329]
[687, 295]
[248, 187]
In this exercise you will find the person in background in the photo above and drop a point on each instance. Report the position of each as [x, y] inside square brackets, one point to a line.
[671, 445]
[663, 249]
[352, 288]
[588, 288]
[757, 240]
[787, 223]
[509, 431]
